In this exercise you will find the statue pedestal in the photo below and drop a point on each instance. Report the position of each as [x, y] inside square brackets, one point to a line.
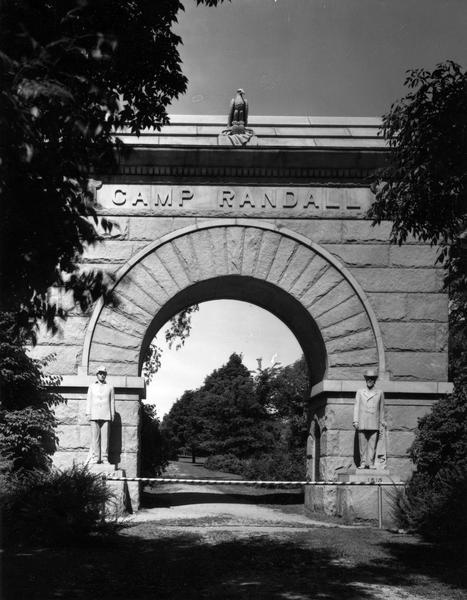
[120, 503]
[361, 502]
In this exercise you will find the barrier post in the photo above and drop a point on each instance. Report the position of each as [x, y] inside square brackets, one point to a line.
[380, 506]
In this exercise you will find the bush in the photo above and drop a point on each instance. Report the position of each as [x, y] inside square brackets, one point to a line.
[433, 503]
[272, 467]
[435, 506]
[52, 508]
[229, 463]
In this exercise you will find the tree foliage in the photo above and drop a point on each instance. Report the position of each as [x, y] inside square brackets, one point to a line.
[423, 190]
[72, 72]
[154, 451]
[253, 425]
[27, 421]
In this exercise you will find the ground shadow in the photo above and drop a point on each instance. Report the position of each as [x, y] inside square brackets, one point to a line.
[143, 563]
[166, 500]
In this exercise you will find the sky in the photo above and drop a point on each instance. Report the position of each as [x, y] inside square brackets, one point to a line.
[293, 57]
[313, 57]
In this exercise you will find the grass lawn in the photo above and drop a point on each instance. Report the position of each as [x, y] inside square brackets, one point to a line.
[148, 561]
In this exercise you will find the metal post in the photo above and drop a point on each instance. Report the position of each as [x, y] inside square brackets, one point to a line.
[380, 506]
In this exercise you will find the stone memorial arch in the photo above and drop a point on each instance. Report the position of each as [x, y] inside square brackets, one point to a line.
[278, 220]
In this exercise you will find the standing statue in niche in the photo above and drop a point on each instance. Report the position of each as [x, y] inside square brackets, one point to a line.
[369, 420]
[100, 411]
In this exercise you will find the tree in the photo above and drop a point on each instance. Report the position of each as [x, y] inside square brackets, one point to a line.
[223, 416]
[154, 450]
[27, 421]
[72, 73]
[423, 190]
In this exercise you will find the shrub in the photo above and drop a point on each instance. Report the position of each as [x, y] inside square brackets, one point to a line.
[435, 506]
[229, 463]
[272, 467]
[52, 508]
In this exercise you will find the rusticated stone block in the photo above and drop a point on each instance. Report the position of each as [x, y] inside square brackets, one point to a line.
[152, 280]
[427, 307]
[422, 366]
[118, 231]
[321, 231]
[339, 417]
[130, 439]
[389, 306]
[111, 251]
[67, 412]
[153, 228]
[128, 411]
[70, 437]
[363, 231]
[64, 360]
[401, 468]
[337, 442]
[409, 336]
[399, 442]
[63, 459]
[373, 255]
[70, 332]
[331, 465]
[398, 280]
[413, 256]
[251, 246]
[129, 463]
[298, 263]
[405, 418]
[320, 500]
[132, 311]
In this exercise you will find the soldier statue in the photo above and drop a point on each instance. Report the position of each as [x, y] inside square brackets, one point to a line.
[100, 410]
[369, 419]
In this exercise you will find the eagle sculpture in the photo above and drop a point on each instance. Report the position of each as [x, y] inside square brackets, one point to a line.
[238, 114]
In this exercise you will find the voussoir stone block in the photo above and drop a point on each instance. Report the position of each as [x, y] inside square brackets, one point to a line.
[115, 337]
[234, 249]
[269, 245]
[282, 259]
[355, 341]
[345, 310]
[166, 262]
[204, 253]
[321, 287]
[349, 326]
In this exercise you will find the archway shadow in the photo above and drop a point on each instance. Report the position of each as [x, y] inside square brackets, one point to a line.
[168, 499]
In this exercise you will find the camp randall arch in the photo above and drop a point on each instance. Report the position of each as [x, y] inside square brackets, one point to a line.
[278, 221]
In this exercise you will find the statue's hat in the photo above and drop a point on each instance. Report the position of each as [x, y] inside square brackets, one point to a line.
[101, 370]
[373, 373]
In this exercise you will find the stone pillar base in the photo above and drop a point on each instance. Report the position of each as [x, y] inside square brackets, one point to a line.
[125, 496]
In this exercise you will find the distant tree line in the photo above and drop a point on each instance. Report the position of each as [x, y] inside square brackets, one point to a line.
[245, 423]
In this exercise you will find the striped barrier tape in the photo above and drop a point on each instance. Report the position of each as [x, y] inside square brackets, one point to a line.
[250, 482]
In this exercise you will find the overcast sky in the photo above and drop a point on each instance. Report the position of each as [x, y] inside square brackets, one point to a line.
[294, 57]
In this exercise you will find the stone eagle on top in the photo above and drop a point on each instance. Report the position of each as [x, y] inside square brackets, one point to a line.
[238, 113]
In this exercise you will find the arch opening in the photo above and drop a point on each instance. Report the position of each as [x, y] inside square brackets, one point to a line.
[257, 292]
